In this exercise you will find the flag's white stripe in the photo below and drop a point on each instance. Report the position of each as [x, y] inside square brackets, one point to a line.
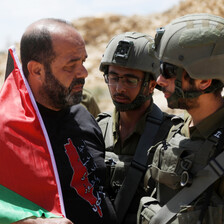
[44, 131]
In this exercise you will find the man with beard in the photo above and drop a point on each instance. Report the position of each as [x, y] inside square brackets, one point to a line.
[191, 51]
[130, 70]
[53, 55]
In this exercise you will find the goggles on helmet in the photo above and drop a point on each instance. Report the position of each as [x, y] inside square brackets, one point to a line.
[168, 70]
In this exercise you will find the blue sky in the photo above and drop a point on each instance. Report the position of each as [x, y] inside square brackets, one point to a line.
[16, 15]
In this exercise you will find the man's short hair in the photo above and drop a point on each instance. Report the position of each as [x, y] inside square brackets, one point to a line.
[37, 45]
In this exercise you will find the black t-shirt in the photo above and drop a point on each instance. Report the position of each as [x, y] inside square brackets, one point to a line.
[78, 148]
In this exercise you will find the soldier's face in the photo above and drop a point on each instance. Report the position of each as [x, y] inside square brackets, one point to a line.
[168, 88]
[123, 90]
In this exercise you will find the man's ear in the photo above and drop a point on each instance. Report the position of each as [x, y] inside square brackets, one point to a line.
[36, 70]
[204, 84]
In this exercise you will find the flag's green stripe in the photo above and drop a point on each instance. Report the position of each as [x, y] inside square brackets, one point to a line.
[14, 207]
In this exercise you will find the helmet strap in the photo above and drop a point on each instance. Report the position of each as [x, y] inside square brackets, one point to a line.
[173, 100]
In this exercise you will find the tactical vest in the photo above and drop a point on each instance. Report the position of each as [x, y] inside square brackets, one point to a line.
[175, 162]
[105, 122]
[119, 164]
[125, 190]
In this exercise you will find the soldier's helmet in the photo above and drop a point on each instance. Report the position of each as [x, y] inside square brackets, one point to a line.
[194, 42]
[131, 50]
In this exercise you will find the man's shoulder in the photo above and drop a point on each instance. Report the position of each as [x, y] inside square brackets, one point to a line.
[84, 119]
[81, 114]
[78, 108]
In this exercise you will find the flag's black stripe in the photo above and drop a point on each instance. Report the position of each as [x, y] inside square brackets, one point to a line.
[9, 66]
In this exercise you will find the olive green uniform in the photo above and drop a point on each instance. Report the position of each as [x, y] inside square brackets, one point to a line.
[118, 169]
[201, 139]
[89, 102]
[191, 45]
[131, 50]
[130, 143]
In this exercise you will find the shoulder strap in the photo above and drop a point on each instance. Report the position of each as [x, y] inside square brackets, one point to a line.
[164, 128]
[202, 180]
[105, 122]
[138, 165]
[162, 135]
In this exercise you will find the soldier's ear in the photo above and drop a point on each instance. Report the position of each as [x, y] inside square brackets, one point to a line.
[204, 84]
[152, 85]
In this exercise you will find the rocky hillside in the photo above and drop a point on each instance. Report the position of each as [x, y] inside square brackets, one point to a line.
[97, 31]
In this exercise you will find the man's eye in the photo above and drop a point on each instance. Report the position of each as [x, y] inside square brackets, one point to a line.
[113, 77]
[132, 80]
[69, 68]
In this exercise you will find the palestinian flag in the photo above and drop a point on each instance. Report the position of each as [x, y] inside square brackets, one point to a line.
[29, 182]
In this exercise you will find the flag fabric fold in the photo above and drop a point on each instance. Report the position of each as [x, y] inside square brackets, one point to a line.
[29, 182]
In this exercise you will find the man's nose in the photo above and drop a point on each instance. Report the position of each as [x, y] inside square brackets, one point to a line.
[82, 73]
[161, 81]
[120, 87]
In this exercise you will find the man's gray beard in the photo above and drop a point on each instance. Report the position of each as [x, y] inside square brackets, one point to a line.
[56, 94]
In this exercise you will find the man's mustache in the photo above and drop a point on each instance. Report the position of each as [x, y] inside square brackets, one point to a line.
[163, 89]
[121, 95]
[76, 82]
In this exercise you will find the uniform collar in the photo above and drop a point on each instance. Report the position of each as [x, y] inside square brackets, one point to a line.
[139, 128]
[209, 125]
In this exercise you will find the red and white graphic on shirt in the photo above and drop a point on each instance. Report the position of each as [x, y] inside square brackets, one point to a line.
[80, 181]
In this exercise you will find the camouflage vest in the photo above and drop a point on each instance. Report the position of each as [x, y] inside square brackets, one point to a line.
[118, 166]
[175, 162]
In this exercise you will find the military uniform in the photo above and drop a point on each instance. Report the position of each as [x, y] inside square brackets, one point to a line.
[119, 156]
[200, 148]
[188, 165]
[89, 102]
[131, 142]
[131, 56]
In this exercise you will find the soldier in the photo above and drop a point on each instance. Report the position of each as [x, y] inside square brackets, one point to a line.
[89, 102]
[190, 183]
[130, 70]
